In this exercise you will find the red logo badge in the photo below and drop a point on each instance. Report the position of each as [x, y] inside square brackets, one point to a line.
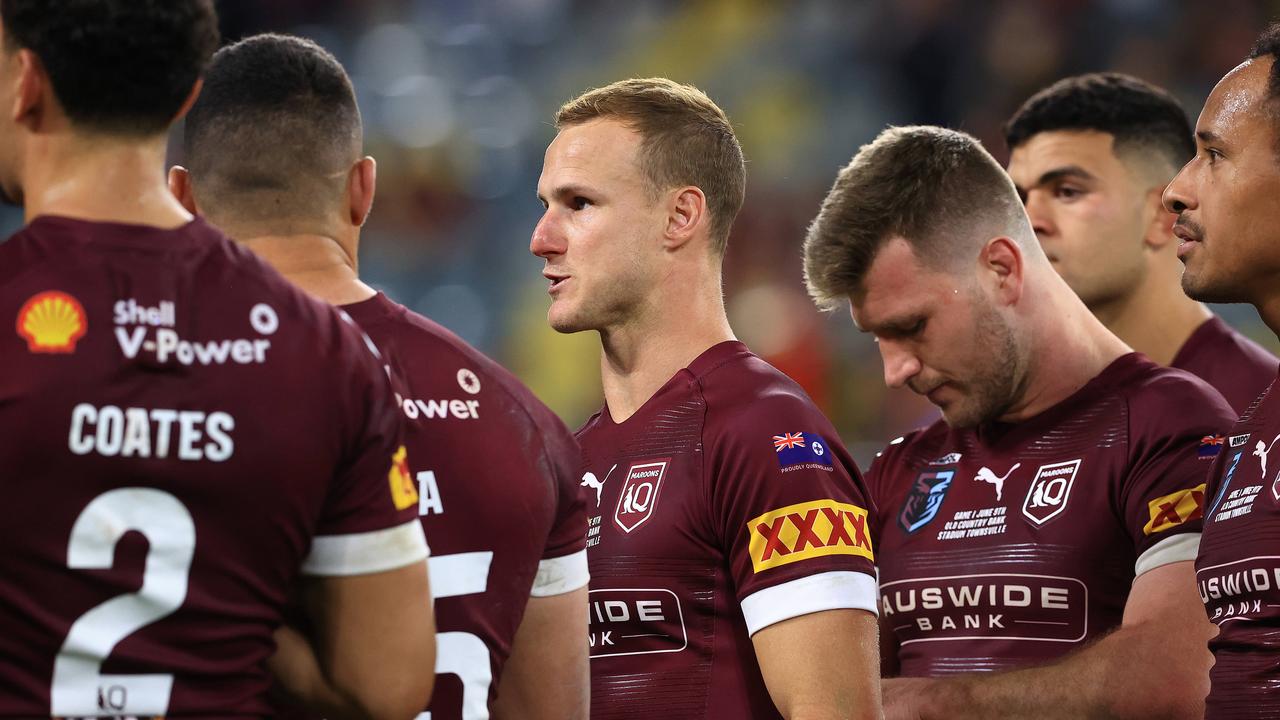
[639, 494]
[52, 322]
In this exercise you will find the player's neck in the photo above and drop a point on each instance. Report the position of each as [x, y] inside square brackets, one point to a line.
[1156, 318]
[99, 179]
[1068, 348]
[1269, 310]
[319, 265]
[639, 357]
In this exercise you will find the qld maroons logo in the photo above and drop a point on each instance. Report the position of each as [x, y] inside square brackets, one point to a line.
[925, 499]
[639, 494]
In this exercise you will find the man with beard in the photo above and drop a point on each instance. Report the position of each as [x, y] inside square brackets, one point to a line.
[1225, 199]
[1036, 543]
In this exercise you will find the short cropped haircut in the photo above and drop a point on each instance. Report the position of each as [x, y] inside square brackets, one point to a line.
[938, 189]
[1138, 115]
[686, 140]
[118, 67]
[1268, 45]
[274, 133]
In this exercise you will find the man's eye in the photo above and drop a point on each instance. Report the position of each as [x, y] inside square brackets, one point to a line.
[579, 202]
[1068, 193]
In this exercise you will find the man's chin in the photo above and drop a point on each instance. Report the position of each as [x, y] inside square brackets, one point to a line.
[1203, 287]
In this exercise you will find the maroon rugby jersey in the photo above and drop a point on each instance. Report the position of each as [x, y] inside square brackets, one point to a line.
[1238, 569]
[183, 434]
[1234, 365]
[498, 494]
[1013, 544]
[725, 504]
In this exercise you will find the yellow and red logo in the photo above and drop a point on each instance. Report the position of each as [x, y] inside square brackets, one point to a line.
[1175, 509]
[808, 530]
[52, 322]
[403, 492]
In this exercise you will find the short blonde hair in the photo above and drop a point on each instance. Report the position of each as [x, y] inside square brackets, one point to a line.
[686, 139]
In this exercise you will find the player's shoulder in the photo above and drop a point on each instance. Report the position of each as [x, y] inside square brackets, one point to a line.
[475, 373]
[922, 446]
[1165, 397]
[745, 393]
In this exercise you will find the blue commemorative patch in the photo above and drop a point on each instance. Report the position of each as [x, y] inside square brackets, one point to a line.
[925, 499]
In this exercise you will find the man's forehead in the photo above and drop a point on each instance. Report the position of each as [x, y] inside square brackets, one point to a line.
[895, 284]
[1050, 150]
[595, 149]
[1237, 98]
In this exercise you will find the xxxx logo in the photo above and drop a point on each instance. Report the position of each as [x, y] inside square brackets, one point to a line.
[808, 530]
[1175, 509]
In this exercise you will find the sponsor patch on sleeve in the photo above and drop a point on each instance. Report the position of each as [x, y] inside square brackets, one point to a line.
[1175, 509]
[808, 530]
[802, 449]
[403, 493]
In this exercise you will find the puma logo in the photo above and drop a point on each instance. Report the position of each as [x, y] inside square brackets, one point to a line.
[987, 476]
[1261, 451]
[589, 480]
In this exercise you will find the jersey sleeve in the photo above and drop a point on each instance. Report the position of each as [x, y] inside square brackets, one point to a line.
[792, 512]
[369, 521]
[563, 567]
[1172, 451]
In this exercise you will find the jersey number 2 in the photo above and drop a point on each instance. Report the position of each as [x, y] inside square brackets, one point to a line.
[79, 687]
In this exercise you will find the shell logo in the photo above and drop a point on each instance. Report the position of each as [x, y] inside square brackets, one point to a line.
[403, 492]
[52, 322]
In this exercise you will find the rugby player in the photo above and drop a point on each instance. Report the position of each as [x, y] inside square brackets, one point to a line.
[731, 566]
[1229, 227]
[175, 458]
[1091, 156]
[1036, 543]
[274, 151]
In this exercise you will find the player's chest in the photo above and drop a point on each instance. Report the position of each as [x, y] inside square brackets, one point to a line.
[981, 502]
[642, 504]
[1238, 569]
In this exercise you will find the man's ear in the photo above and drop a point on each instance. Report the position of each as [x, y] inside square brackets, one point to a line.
[1158, 231]
[686, 217]
[362, 184]
[180, 186]
[30, 104]
[1003, 265]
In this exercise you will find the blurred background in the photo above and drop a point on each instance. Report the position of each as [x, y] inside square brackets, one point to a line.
[458, 96]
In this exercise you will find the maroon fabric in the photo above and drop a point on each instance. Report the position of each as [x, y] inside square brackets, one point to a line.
[1238, 570]
[1234, 365]
[1015, 543]
[670, 538]
[506, 470]
[205, 379]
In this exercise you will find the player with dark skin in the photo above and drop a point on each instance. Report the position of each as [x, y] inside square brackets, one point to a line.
[1091, 156]
[84, 138]
[1225, 200]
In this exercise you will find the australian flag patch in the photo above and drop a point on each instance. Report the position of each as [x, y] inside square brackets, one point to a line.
[1210, 446]
[801, 449]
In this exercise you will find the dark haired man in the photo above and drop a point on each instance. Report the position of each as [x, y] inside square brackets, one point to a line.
[174, 456]
[1036, 544]
[731, 569]
[1091, 156]
[273, 146]
[1228, 217]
